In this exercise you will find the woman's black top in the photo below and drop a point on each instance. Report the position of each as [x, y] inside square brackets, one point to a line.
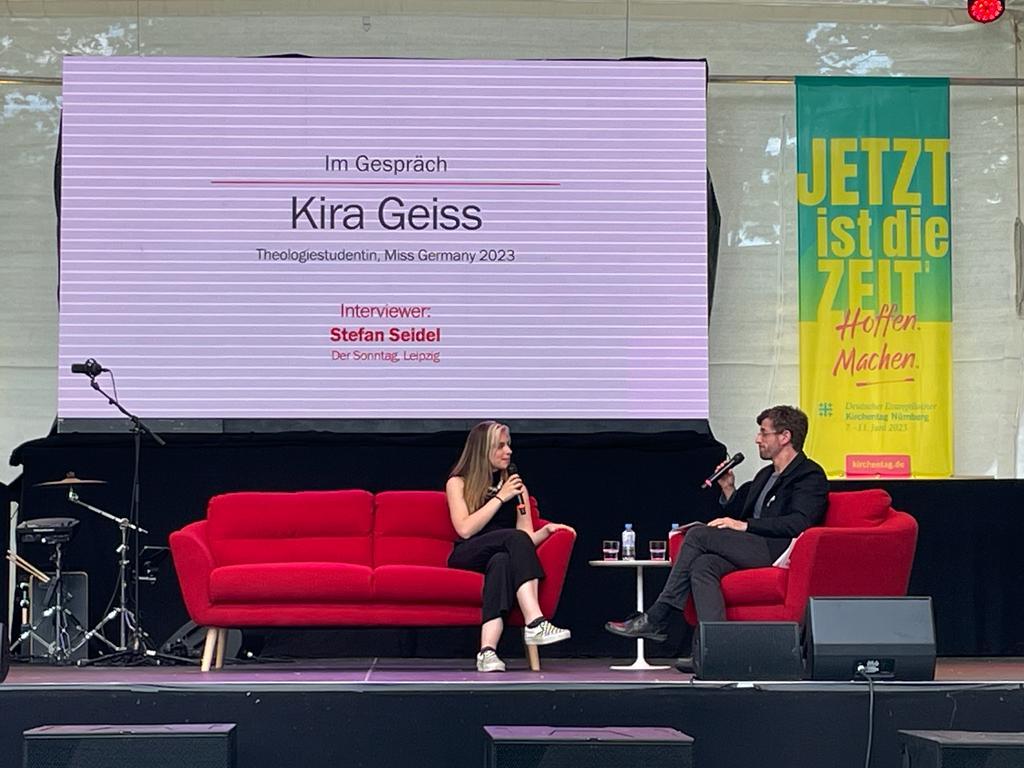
[505, 517]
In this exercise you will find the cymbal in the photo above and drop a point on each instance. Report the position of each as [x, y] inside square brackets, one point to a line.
[70, 479]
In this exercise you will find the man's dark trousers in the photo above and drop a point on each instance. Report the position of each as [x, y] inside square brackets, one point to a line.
[707, 555]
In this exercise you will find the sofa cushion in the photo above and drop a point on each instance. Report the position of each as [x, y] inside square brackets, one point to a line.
[415, 528]
[755, 586]
[857, 509]
[290, 582]
[426, 584]
[309, 526]
[412, 528]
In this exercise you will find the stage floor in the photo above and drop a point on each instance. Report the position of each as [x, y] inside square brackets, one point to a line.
[445, 673]
[377, 713]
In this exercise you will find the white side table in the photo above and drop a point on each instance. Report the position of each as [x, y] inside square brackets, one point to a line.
[639, 565]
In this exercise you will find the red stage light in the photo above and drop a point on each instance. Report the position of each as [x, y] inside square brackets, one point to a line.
[984, 11]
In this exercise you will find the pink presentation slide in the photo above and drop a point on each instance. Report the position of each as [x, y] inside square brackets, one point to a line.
[376, 238]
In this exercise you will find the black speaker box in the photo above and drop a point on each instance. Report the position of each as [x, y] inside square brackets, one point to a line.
[961, 749]
[196, 745]
[748, 650]
[5, 653]
[188, 640]
[76, 607]
[541, 746]
[886, 637]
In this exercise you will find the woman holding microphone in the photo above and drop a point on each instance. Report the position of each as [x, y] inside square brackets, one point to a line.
[490, 510]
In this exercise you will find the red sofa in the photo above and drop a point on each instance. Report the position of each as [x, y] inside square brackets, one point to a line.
[336, 558]
[864, 547]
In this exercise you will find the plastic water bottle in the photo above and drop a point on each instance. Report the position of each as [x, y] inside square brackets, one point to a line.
[629, 543]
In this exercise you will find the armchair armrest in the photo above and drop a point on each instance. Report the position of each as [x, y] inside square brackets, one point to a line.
[194, 563]
[675, 543]
[554, 553]
[837, 562]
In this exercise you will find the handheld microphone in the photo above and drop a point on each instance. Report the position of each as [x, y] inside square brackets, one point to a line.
[521, 506]
[90, 368]
[737, 458]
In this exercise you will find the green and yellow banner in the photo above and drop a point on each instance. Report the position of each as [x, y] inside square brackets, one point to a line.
[875, 279]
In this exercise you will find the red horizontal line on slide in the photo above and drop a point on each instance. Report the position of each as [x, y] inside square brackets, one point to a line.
[394, 183]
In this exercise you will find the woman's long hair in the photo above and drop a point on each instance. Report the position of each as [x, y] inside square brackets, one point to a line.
[474, 465]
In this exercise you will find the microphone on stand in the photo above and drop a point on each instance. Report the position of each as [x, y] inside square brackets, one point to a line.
[737, 458]
[90, 368]
[521, 506]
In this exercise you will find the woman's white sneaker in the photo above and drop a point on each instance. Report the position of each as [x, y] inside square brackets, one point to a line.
[488, 661]
[545, 633]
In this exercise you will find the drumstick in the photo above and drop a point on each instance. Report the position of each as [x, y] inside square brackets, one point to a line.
[24, 564]
[30, 568]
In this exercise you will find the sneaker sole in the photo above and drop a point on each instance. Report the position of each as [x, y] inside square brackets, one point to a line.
[546, 640]
[637, 635]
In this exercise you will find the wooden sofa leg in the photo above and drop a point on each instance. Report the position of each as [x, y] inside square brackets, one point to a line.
[208, 648]
[222, 641]
[533, 655]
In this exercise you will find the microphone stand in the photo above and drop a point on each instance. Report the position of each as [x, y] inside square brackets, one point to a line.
[133, 649]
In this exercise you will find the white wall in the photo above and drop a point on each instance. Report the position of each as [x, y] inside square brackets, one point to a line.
[751, 156]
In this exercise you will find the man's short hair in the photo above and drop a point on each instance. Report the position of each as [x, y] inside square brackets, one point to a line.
[786, 417]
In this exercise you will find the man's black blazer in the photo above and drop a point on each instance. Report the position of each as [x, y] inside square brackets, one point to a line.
[796, 502]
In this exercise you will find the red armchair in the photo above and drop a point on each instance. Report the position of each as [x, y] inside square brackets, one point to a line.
[864, 548]
[336, 558]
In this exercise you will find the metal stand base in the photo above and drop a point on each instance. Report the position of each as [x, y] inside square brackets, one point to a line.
[640, 664]
[136, 658]
[56, 615]
[137, 653]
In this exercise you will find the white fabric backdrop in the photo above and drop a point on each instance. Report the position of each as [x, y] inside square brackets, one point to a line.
[751, 156]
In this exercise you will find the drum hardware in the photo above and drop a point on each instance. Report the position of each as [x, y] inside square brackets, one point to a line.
[70, 479]
[134, 645]
[47, 530]
[149, 562]
[23, 586]
[134, 648]
[131, 639]
[54, 532]
[127, 622]
[25, 565]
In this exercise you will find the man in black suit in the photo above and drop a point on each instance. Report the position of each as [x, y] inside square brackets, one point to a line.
[762, 517]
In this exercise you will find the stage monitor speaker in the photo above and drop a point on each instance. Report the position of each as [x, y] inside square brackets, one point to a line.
[5, 652]
[196, 745]
[76, 613]
[748, 650]
[961, 749]
[532, 746]
[888, 637]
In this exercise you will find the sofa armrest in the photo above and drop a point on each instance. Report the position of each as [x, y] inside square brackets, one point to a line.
[194, 563]
[554, 553]
[841, 562]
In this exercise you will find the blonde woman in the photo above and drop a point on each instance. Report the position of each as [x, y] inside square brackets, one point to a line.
[497, 539]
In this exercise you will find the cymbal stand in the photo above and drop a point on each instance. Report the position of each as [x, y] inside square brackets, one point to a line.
[126, 619]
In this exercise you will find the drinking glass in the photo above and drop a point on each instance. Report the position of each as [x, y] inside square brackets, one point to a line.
[610, 549]
[657, 549]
